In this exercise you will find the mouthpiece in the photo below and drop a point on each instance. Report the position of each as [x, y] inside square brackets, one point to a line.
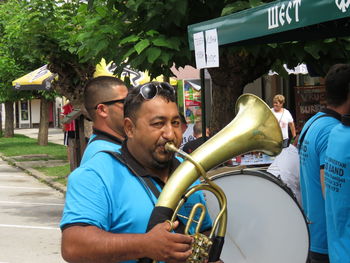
[170, 147]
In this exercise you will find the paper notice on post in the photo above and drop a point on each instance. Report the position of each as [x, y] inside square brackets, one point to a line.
[212, 48]
[199, 50]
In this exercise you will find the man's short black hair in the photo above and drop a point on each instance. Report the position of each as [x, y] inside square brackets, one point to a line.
[97, 90]
[134, 100]
[338, 84]
[182, 118]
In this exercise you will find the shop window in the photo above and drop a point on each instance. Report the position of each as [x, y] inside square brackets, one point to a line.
[24, 111]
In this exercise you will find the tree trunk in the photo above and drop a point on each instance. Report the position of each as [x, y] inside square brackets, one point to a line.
[228, 83]
[1, 119]
[9, 119]
[44, 122]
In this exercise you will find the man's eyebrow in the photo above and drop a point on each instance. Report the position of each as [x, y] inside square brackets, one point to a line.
[156, 118]
[162, 118]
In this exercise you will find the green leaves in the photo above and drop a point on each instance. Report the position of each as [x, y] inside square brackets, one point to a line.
[255, 3]
[129, 39]
[237, 6]
[181, 7]
[162, 42]
[139, 47]
[313, 50]
[152, 33]
[153, 53]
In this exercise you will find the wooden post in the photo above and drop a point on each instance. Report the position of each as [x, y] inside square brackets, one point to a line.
[82, 141]
[76, 145]
[72, 146]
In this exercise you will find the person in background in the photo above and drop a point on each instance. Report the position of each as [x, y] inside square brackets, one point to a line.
[187, 131]
[190, 146]
[104, 100]
[109, 199]
[337, 192]
[68, 128]
[183, 123]
[284, 119]
[198, 114]
[313, 141]
[286, 167]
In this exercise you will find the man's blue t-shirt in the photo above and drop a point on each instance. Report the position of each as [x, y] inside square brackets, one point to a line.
[104, 193]
[100, 141]
[312, 154]
[337, 182]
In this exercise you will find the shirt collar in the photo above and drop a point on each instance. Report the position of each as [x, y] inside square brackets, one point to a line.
[332, 113]
[138, 168]
[107, 135]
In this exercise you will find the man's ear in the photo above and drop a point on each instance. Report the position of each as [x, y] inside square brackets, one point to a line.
[129, 127]
[102, 111]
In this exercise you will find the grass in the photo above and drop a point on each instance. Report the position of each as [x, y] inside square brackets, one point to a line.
[23, 145]
[58, 173]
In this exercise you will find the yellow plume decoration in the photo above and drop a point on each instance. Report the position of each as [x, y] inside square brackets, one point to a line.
[102, 69]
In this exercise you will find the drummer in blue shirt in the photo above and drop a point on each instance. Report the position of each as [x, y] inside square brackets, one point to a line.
[337, 186]
[312, 144]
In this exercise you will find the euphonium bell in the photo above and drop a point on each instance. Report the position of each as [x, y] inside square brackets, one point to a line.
[254, 128]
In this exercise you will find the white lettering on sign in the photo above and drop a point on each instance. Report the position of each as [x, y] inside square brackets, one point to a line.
[343, 5]
[280, 14]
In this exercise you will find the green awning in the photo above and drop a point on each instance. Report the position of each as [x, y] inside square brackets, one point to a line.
[280, 21]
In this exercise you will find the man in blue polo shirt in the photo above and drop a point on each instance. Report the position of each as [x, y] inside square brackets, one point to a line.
[313, 142]
[337, 182]
[104, 99]
[109, 201]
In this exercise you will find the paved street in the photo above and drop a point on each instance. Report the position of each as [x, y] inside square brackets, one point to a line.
[55, 134]
[29, 218]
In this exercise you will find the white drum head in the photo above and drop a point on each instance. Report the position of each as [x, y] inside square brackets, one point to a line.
[265, 223]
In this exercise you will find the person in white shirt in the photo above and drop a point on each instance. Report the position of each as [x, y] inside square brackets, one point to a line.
[284, 119]
[187, 131]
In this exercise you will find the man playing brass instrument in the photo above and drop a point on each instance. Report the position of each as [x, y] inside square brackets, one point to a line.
[110, 197]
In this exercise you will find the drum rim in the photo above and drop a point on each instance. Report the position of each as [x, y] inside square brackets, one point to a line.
[265, 174]
[259, 173]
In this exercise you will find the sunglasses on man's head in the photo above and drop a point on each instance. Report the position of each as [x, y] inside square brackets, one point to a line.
[150, 90]
[110, 102]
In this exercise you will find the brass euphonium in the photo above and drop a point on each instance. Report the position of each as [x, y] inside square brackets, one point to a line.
[254, 128]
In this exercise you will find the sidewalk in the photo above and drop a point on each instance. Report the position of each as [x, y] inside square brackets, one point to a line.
[55, 136]
[28, 167]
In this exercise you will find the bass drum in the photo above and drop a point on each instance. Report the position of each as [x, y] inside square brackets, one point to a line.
[265, 224]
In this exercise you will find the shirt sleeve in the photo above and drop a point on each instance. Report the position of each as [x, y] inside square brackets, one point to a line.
[87, 200]
[289, 116]
[322, 145]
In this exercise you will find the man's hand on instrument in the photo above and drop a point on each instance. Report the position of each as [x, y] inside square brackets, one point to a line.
[163, 245]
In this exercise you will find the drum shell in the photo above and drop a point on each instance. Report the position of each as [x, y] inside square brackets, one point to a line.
[265, 222]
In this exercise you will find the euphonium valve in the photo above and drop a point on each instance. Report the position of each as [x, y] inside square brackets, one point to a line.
[203, 244]
[254, 128]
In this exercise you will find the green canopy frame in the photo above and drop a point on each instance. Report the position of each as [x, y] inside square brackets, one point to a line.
[278, 21]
